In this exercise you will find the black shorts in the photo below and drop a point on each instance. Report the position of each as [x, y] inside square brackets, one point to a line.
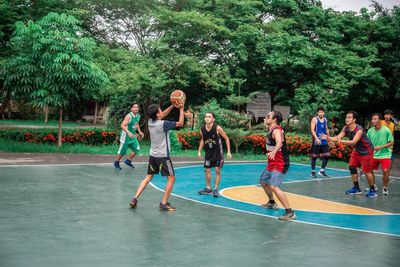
[163, 164]
[320, 151]
[213, 163]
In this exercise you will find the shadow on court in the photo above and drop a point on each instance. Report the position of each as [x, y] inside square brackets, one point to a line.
[80, 216]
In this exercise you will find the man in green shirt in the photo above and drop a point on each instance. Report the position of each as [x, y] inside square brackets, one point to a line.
[382, 140]
[128, 137]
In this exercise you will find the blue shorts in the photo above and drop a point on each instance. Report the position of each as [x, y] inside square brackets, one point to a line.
[273, 178]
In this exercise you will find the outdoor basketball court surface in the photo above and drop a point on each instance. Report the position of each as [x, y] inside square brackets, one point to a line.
[78, 215]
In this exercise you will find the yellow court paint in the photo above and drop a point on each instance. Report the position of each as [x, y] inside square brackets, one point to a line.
[256, 195]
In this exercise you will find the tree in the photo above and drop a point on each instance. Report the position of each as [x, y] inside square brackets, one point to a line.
[52, 63]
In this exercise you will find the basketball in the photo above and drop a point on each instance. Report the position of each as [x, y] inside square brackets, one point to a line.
[177, 96]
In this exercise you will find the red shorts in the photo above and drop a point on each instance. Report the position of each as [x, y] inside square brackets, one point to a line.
[385, 164]
[363, 161]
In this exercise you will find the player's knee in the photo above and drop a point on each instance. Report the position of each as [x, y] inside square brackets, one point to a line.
[353, 170]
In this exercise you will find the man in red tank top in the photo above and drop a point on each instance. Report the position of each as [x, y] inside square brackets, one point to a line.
[278, 164]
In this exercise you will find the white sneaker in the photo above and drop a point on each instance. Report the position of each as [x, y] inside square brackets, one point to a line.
[385, 191]
[367, 188]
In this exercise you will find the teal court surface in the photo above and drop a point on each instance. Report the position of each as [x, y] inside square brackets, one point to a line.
[78, 215]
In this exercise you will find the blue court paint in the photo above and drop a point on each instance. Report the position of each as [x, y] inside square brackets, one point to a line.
[189, 180]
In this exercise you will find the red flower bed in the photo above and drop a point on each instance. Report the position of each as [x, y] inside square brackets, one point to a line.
[296, 144]
[189, 140]
[88, 137]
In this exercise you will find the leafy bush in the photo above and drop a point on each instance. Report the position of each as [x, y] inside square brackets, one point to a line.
[189, 139]
[95, 136]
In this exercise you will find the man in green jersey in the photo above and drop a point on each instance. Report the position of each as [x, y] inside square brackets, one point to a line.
[128, 139]
[382, 139]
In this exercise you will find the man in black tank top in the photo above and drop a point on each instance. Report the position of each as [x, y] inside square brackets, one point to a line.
[211, 135]
[361, 156]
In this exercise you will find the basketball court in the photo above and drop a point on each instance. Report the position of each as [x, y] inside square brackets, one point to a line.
[78, 215]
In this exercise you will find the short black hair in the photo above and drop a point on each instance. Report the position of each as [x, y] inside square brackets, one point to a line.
[152, 111]
[388, 111]
[212, 113]
[320, 108]
[355, 115]
[277, 115]
[377, 114]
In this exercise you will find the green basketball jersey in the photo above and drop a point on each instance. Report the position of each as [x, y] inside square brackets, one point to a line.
[379, 138]
[131, 127]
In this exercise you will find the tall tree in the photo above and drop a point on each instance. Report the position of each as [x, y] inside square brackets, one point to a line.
[52, 64]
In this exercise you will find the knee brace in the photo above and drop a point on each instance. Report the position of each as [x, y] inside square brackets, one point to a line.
[353, 170]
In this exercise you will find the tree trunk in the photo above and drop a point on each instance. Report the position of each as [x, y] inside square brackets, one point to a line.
[5, 101]
[59, 143]
[46, 114]
[95, 112]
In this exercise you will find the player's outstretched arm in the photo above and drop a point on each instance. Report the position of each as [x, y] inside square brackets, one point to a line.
[166, 111]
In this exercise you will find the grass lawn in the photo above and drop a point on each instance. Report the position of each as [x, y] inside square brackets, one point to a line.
[12, 146]
[52, 123]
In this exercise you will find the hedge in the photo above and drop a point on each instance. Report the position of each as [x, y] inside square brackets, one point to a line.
[92, 136]
[296, 144]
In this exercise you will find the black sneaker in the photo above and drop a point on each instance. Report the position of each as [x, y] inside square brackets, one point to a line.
[133, 203]
[288, 216]
[313, 175]
[206, 191]
[323, 174]
[116, 165]
[166, 207]
[129, 163]
[215, 193]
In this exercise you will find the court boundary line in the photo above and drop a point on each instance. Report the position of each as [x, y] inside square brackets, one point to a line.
[198, 163]
[270, 216]
[330, 201]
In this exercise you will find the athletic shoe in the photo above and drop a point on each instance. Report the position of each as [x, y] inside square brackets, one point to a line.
[133, 203]
[288, 216]
[313, 175]
[368, 188]
[269, 205]
[385, 191]
[129, 163]
[116, 165]
[166, 207]
[371, 193]
[353, 191]
[323, 174]
[206, 191]
[215, 193]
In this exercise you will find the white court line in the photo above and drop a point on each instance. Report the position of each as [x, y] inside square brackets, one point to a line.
[198, 163]
[270, 216]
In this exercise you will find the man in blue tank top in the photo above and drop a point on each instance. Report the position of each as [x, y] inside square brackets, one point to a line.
[320, 147]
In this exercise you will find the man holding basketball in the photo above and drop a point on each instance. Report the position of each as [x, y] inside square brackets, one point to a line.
[211, 134]
[128, 139]
[159, 159]
[278, 164]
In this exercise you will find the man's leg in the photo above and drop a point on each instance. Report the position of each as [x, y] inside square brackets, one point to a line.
[143, 185]
[168, 189]
[217, 177]
[281, 196]
[131, 156]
